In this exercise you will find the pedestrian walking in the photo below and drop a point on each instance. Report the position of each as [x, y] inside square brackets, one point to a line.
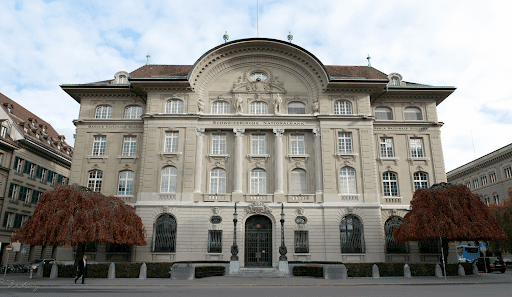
[81, 269]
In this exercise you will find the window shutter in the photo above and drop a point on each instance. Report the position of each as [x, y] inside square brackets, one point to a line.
[34, 196]
[21, 195]
[49, 177]
[59, 178]
[10, 191]
[26, 169]
[6, 217]
[38, 172]
[15, 162]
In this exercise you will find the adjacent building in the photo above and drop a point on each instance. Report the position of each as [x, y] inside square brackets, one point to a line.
[261, 124]
[33, 159]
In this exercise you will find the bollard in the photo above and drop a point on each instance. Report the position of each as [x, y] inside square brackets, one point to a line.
[439, 272]
[55, 271]
[375, 271]
[407, 271]
[143, 271]
[112, 271]
[31, 270]
[461, 271]
[344, 273]
[475, 268]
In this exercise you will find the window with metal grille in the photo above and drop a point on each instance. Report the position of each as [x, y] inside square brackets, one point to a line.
[98, 146]
[344, 143]
[420, 180]
[393, 247]
[412, 114]
[258, 108]
[351, 235]
[390, 184]
[383, 113]
[95, 179]
[174, 106]
[299, 183]
[218, 144]
[220, 107]
[218, 181]
[301, 240]
[133, 112]
[416, 148]
[257, 144]
[297, 144]
[342, 107]
[103, 112]
[386, 148]
[129, 145]
[430, 246]
[168, 183]
[347, 181]
[171, 142]
[258, 181]
[125, 186]
[296, 108]
[492, 177]
[214, 241]
[164, 236]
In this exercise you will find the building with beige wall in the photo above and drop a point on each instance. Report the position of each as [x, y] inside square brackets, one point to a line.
[33, 159]
[261, 123]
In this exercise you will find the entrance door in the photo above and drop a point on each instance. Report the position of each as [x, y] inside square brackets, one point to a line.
[258, 242]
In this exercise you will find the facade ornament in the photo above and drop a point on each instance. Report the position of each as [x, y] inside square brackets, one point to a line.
[389, 168]
[316, 107]
[200, 105]
[350, 210]
[419, 168]
[238, 104]
[258, 208]
[239, 131]
[166, 209]
[278, 132]
[277, 104]
[317, 132]
[200, 132]
[300, 211]
[215, 211]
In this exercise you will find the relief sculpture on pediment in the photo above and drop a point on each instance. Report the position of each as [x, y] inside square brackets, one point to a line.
[247, 84]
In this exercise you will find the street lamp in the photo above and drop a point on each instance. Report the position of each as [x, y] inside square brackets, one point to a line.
[234, 247]
[282, 248]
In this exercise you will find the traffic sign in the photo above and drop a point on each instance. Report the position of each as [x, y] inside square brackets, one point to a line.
[8, 249]
[24, 250]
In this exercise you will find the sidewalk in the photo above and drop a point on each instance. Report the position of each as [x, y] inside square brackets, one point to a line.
[238, 281]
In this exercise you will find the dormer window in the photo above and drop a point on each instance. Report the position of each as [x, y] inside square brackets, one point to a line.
[121, 78]
[34, 124]
[26, 129]
[49, 141]
[44, 129]
[59, 147]
[9, 108]
[38, 136]
[395, 79]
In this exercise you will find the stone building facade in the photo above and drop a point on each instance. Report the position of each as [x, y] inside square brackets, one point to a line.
[262, 124]
[33, 159]
[490, 175]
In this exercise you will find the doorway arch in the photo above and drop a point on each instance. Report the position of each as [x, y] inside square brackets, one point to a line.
[258, 242]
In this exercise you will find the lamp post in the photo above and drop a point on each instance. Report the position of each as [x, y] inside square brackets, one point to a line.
[282, 248]
[234, 247]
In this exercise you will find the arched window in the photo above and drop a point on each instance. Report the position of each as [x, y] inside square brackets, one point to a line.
[420, 180]
[383, 113]
[351, 235]
[220, 107]
[122, 79]
[390, 184]
[347, 181]
[164, 236]
[103, 112]
[168, 184]
[125, 185]
[496, 198]
[342, 107]
[218, 181]
[394, 81]
[412, 114]
[94, 181]
[296, 108]
[393, 247]
[174, 106]
[258, 181]
[133, 112]
[487, 200]
[258, 108]
[299, 183]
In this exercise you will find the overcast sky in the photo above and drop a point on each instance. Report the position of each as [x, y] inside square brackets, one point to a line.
[466, 44]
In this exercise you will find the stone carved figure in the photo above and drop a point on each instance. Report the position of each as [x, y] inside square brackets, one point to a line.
[200, 105]
[238, 104]
[277, 104]
[316, 107]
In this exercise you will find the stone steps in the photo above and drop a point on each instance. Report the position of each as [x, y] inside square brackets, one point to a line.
[259, 273]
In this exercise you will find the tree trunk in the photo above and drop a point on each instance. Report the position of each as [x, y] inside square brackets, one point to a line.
[80, 249]
[445, 248]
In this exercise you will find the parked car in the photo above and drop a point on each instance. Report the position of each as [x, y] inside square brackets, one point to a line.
[492, 264]
[508, 262]
[38, 262]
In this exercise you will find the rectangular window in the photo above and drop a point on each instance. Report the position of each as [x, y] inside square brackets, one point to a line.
[26, 168]
[258, 144]
[171, 142]
[8, 220]
[17, 220]
[14, 191]
[1, 158]
[301, 242]
[492, 177]
[218, 144]
[416, 148]
[345, 143]
[386, 148]
[32, 170]
[484, 180]
[35, 196]
[24, 218]
[475, 183]
[508, 172]
[43, 174]
[468, 184]
[23, 193]
[19, 165]
[129, 145]
[98, 147]
[215, 241]
[54, 178]
[3, 131]
[50, 176]
[298, 145]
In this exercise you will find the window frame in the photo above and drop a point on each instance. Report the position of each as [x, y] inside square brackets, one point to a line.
[215, 241]
[219, 143]
[345, 143]
[171, 141]
[171, 179]
[301, 241]
[296, 110]
[258, 107]
[95, 180]
[103, 112]
[417, 114]
[347, 182]
[174, 106]
[129, 146]
[297, 144]
[417, 147]
[342, 107]
[388, 190]
[217, 181]
[258, 141]
[379, 112]
[386, 147]
[355, 231]
[129, 114]
[418, 180]
[298, 176]
[125, 183]
[220, 107]
[99, 145]
[258, 181]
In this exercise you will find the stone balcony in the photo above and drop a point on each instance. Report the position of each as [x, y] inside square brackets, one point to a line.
[300, 198]
[220, 197]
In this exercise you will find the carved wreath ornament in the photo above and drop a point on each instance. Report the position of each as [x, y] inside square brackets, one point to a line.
[258, 207]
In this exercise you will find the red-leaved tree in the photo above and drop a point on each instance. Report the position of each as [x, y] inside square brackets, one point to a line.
[503, 213]
[75, 215]
[450, 212]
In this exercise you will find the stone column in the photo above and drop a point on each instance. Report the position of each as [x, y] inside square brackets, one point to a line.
[279, 186]
[318, 162]
[199, 160]
[239, 133]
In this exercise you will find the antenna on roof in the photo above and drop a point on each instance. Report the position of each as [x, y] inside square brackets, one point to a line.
[257, 18]
[472, 141]
[226, 37]
[369, 58]
[290, 36]
[147, 58]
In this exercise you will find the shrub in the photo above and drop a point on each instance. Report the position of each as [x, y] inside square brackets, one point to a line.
[207, 271]
[159, 269]
[314, 271]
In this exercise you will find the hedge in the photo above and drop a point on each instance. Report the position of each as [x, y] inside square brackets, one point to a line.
[314, 271]
[123, 270]
[207, 271]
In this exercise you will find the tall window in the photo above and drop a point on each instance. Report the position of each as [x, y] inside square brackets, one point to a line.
[484, 180]
[258, 108]
[345, 143]
[32, 170]
[475, 183]
[301, 240]
[258, 144]
[133, 112]
[298, 145]
[508, 172]
[487, 200]
[43, 174]
[258, 181]
[129, 145]
[468, 184]
[492, 177]
[412, 114]
[220, 107]
[164, 237]
[18, 165]
[383, 113]
[95, 179]
[125, 186]
[420, 180]
[98, 146]
[214, 241]
[169, 176]
[390, 184]
[103, 112]
[416, 147]
[174, 106]
[386, 148]
[171, 142]
[296, 108]
[351, 235]
[299, 183]
[122, 79]
[218, 144]
[218, 181]
[393, 247]
[496, 198]
[342, 107]
[347, 181]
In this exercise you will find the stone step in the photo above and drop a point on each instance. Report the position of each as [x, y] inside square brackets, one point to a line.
[259, 273]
